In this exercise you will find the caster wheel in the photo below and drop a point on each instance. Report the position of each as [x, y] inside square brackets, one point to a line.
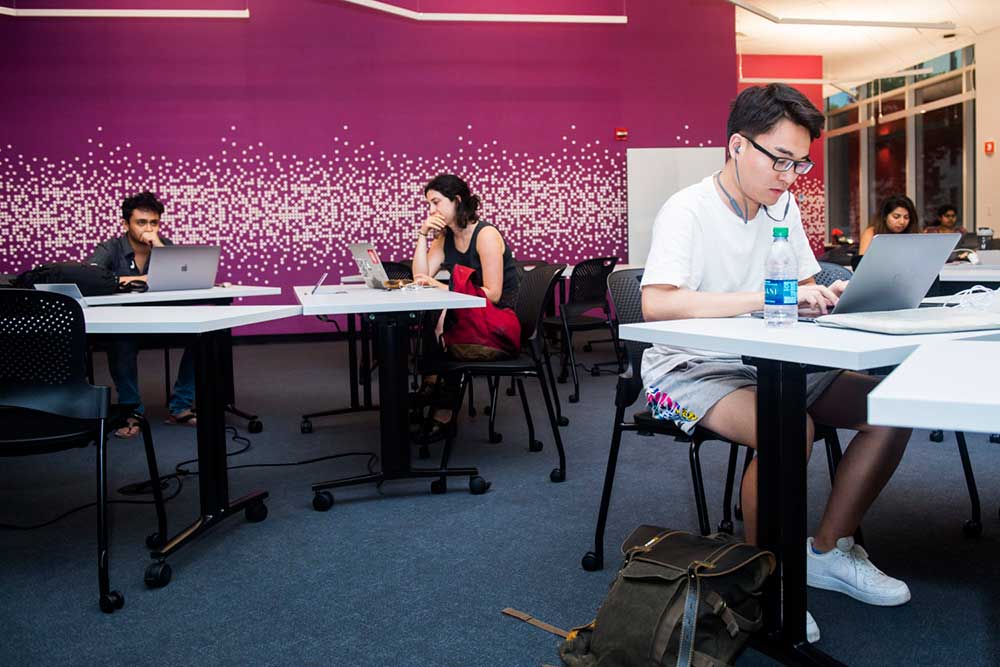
[255, 426]
[535, 446]
[112, 601]
[557, 475]
[574, 398]
[563, 421]
[591, 562]
[587, 347]
[255, 513]
[972, 529]
[478, 486]
[511, 391]
[726, 527]
[154, 541]
[158, 574]
[644, 434]
[322, 501]
[995, 438]
[423, 453]
[495, 438]
[595, 372]
[937, 436]
[738, 513]
[486, 410]
[306, 426]
[439, 486]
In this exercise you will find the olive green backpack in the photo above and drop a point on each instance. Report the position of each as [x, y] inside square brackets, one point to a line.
[679, 599]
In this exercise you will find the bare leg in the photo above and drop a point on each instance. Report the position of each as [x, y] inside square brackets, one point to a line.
[735, 418]
[867, 465]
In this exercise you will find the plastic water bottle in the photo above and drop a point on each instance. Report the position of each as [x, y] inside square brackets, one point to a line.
[781, 285]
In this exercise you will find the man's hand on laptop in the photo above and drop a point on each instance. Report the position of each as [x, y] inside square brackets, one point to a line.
[815, 300]
[838, 287]
[124, 280]
[427, 281]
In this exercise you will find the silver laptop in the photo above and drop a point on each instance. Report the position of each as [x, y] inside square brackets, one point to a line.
[369, 265]
[69, 289]
[896, 272]
[181, 267]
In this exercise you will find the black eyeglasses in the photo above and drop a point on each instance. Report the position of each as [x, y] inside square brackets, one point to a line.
[784, 163]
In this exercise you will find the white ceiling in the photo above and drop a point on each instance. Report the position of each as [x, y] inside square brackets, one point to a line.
[853, 55]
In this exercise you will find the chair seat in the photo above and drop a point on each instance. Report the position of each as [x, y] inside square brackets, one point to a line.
[647, 422]
[522, 363]
[40, 432]
[577, 323]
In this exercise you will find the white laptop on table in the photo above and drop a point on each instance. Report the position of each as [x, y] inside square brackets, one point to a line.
[182, 267]
[890, 282]
[369, 265]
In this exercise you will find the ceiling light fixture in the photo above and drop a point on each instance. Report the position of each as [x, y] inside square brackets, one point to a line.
[942, 25]
[488, 18]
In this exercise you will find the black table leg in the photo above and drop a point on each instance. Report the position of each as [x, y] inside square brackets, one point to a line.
[352, 370]
[781, 510]
[392, 338]
[211, 350]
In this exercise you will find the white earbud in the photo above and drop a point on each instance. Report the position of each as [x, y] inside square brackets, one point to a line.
[739, 149]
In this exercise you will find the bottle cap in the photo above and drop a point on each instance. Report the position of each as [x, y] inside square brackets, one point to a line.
[781, 232]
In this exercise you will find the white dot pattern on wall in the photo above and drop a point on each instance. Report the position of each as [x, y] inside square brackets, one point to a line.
[282, 217]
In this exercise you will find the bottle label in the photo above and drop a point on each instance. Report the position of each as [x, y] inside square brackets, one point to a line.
[781, 292]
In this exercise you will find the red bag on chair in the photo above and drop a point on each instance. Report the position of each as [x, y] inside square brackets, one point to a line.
[479, 334]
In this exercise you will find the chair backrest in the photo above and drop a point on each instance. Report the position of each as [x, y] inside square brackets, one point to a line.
[522, 266]
[589, 282]
[397, 271]
[43, 338]
[533, 295]
[626, 295]
[830, 272]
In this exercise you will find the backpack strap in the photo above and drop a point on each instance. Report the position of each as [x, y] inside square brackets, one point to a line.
[531, 620]
[734, 622]
[689, 624]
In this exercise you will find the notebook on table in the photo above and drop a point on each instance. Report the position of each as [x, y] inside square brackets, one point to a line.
[915, 320]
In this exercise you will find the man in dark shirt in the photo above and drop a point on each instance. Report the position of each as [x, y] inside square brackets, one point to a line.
[128, 257]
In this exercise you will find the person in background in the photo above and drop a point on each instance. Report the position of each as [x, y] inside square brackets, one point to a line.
[453, 233]
[127, 256]
[898, 215]
[947, 221]
[706, 259]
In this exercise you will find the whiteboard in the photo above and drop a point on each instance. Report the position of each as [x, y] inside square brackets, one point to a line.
[654, 174]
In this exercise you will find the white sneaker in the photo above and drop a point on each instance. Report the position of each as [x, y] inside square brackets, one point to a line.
[847, 570]
[812, 630]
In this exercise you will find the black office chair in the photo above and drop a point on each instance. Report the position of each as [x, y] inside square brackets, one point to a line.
[840, 255]
[830, 272]
[587, 291]
[535, 291]
[626, 294]
[47, 405]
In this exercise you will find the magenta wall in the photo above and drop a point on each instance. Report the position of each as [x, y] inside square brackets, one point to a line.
[315, 123]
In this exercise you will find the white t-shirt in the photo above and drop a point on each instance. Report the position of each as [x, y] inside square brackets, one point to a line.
[699, 243]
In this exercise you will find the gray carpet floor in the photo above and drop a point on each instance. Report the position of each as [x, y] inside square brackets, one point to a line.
[397, 576]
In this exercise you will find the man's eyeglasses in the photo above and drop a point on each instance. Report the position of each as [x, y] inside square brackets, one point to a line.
[784, 163]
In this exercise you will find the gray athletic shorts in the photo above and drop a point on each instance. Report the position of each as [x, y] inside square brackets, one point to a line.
[690, 390]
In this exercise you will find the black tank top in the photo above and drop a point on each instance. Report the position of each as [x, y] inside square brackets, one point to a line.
[470, 258]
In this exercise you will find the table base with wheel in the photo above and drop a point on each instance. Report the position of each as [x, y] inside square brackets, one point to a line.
[392, 343]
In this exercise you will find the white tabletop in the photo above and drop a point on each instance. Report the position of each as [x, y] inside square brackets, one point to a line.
[231, 292]
[357, 278]
[803, 343]
[970, 273]
[180, 319]
[346, 299]
[950, 385]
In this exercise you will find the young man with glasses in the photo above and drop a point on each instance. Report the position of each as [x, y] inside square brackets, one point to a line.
[707, 259]
[128, 257]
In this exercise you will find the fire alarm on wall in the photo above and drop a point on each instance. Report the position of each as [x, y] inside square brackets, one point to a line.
[989, 147]
[621, 134]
